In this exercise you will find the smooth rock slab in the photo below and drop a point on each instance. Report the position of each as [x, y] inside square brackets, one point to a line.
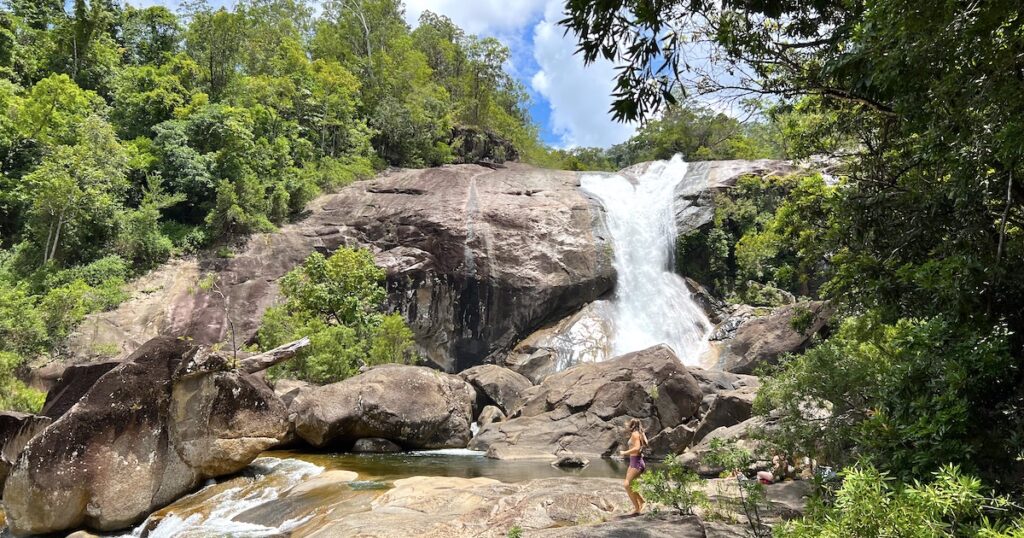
[433, 506]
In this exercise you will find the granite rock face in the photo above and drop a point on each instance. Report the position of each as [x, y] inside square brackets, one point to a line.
[476, 257]
[147, 432]
[16, 430]
[762, 340]
[583, 410]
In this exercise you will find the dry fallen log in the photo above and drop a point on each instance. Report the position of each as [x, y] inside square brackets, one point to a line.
[257, 363]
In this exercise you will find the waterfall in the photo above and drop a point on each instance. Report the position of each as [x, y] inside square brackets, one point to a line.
[652, 304]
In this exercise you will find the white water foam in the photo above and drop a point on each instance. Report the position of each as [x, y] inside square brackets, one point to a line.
[234, 501]
[652, 304]
[448, 452]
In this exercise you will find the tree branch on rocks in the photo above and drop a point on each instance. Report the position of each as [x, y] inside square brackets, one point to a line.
[258, 363]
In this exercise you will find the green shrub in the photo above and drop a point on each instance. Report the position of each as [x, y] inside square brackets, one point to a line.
[186, 238]
[338, 303]
[765, 238]
[907, 397]
[391, 341]
[673, 486]
[872, 503]
[15, 395]
[22, 328]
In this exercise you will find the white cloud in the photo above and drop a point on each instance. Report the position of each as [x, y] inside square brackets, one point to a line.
[579, 96]
[486, 17]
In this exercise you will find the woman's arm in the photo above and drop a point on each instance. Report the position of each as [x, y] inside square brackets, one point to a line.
[634, 446]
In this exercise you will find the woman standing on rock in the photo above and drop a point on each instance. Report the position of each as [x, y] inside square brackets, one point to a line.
[637, 443]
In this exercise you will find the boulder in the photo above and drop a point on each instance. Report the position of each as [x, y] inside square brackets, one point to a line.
[477, 258]
[150, 430]
[490, 414]
[712, 382]
[743, 434]
[497, 386]
[16, 430]
[375, 445]
[290, 389]
[761, 341]
[413, 406]
[570, 461]
[670, 441]
[584, 409]
[728, 408]
[73, 383]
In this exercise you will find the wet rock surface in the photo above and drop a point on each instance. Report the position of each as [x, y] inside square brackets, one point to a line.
[584, 336]
[144, 434]
[561, 507]
[584, 410]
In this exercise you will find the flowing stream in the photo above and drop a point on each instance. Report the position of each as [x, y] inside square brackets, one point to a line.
[262, 502]
[652, 304]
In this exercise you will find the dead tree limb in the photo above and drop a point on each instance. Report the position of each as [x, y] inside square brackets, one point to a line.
[257, 363]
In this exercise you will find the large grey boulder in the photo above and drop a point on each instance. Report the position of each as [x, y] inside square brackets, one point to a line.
[413, 406]
[728, 408]
[584, 409]
[476, 259]
[73, 383]
[762, 341]
[147, 432]
[746, 435]
[16, 430]
[497, 386]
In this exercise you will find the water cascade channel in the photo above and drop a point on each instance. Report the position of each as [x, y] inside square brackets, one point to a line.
[652, 304]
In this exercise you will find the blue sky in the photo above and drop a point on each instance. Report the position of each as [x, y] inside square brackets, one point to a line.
[570, 101]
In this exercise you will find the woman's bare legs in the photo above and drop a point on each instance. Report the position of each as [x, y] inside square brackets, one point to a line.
[634, 497]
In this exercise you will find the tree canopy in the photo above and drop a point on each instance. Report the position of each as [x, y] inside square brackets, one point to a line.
[918, 241]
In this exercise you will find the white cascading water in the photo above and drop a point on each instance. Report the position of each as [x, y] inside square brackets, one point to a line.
[652, 304]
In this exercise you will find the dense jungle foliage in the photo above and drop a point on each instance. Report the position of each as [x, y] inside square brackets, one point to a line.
[919, 243]
[130, 135]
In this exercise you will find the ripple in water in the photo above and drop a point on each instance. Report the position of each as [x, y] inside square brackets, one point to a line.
[652, 304]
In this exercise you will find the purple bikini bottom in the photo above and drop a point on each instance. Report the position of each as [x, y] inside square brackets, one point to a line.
[637, 462]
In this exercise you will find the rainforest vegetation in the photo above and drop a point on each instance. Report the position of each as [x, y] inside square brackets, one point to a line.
[919, 241]
[130, 135]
